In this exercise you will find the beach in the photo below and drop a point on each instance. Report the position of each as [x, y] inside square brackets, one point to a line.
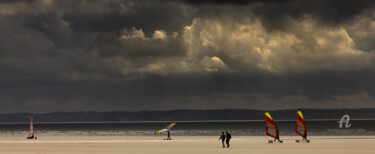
[186, 144]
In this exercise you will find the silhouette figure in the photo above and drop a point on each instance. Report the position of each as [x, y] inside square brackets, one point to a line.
[169, 136]
[222, 138]
[228, 138]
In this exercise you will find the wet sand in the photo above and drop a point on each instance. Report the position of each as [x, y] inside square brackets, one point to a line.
[186, 144]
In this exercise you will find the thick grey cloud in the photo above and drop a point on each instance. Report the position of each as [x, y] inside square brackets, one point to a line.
[275, 13]
[160, 55]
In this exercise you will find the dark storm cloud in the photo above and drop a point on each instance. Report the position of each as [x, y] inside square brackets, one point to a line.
[160, 55]
[63, 30]
[224, 2]
[328, 12]
[50, 49]
[116, 15]
[275, 13]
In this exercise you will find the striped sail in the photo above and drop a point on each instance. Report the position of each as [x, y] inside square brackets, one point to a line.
[271, 128]
[301, 125]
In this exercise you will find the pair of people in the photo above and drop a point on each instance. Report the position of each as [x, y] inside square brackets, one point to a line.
[225, 138]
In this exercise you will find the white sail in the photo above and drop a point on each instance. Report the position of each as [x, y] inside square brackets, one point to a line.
[168, 128]
[31, 133]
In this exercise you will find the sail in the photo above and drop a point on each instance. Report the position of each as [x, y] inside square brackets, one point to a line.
[271, 128]
[300, 125]
[168, 128]
[31, 133]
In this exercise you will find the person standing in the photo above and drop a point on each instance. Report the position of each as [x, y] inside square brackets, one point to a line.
[228, 137]
[222, 138]
[169, 136]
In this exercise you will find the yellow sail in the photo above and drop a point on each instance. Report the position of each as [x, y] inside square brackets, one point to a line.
[168, 128]
[268, 115]
[300, 114]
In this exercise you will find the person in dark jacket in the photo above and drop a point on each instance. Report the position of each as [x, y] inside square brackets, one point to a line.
[169, 136]
[222, 138]
[228, 137]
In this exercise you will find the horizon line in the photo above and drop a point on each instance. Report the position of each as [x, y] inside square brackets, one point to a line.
[190, 110]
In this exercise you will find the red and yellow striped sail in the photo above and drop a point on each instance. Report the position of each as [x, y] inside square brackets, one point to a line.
[300, 125]
[271, 128]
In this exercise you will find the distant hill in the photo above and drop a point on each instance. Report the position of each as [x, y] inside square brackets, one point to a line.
[186, 115]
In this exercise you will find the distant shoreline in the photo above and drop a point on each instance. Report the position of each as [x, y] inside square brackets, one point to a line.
[197, 121]
[189, 115]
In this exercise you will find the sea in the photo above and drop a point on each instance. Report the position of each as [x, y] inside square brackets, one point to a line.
[188, 128]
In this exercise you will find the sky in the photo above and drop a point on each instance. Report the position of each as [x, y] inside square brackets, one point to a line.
[115, 55]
